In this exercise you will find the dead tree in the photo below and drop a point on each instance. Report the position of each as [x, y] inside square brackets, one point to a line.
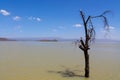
[90, 36]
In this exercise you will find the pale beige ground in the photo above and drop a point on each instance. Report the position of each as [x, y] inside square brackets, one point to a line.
[49, 61]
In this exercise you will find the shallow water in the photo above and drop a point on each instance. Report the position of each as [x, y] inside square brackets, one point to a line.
[52, 60]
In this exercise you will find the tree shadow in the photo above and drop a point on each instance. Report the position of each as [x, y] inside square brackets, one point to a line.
[67, 72]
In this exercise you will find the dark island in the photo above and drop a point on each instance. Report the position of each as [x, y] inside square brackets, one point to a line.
[47, 40]
[6, 39]
[3, 39]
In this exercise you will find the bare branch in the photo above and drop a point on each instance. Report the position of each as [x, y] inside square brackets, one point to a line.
[106, 25]
[82, 43]
[89, 28]
[83, 17]
[91, 31]
[105, 12]
[87, 20]
[81, 48]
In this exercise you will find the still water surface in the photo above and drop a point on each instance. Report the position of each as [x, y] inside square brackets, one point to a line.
[51, 60]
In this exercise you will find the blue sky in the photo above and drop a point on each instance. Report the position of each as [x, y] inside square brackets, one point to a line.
[55, 18]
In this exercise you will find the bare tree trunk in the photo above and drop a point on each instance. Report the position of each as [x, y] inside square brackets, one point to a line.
[84, 44]
[86, 63]
[89, 35]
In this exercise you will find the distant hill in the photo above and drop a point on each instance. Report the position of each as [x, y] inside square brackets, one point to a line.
[3, 39]
[6, 39]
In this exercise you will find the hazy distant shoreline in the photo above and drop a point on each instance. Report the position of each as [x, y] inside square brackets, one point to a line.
[52, 40]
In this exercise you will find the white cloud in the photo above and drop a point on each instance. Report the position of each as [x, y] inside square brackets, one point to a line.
[108, 30]
[54, 30]
[4, 12]
[30, 18]
[16, 18]
[38, 19]
[77, 25]
[35, 19]
[18, 28]
[111, 28]
[20, 31]
[61, 27]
